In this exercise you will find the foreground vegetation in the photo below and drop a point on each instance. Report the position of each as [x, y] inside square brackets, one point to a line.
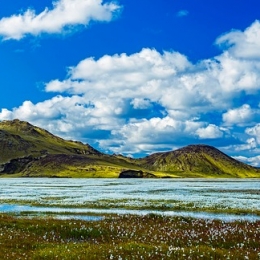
[128, 237]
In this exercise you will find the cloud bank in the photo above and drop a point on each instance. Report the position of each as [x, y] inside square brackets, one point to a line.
[64, 15]
[151, 101]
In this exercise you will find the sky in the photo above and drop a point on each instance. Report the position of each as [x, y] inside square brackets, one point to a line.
[135, 77]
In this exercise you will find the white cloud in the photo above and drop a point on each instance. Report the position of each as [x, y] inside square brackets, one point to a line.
[209, 132]
[243, 115]
[141, 103]
[6, 114]
[151, 135]
[168, 79]
[122, 71]
[236, 75]
[147, 75]
[255, 132]
[241, 44]
[254, 161]
[65, 13]
[249, 144]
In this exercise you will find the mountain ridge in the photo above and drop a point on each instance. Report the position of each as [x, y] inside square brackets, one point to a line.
[196, 159]
[26, 139]
[31, 151]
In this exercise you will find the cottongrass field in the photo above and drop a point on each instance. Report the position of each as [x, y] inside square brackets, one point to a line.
[129, 219]
[128, 237]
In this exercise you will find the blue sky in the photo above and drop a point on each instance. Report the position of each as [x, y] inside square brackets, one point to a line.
[135, 77]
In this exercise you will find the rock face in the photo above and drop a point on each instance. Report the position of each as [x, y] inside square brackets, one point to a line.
[135, 174]
[16, 165]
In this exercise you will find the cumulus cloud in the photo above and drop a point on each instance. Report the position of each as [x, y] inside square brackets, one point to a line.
[65, 116]
[249, 144]
[121, 72]
[150, 135]
[255, 132]
[168, 79]
[209, 132]
[242, 44]
[236, 74]
[149, 101]
[65, 13]
[254, 161]
[243, 115]
[140, 103]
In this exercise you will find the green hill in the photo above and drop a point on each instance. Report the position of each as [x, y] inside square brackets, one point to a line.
[27, 150]
[30, 151]
[199, 161]
[19, 139]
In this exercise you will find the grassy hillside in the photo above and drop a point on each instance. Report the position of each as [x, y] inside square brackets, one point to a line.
[30, 151]
[198, 161]
[20, 139]
[70, 166]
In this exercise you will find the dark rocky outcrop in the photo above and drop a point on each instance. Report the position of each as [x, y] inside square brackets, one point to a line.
[16, 165]
[135, 174]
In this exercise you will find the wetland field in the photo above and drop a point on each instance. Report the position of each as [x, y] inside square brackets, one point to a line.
[61, 218]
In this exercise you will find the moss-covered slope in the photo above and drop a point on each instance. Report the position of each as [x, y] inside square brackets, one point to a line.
[199, 161]
[20, 139]
[30, 151]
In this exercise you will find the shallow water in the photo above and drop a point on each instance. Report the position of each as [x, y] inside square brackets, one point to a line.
[76, 213]
[131, 196]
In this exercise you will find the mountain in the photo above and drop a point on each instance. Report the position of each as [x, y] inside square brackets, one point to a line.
[30, 151]
[19, 139]
[199, 161]
[27, 150]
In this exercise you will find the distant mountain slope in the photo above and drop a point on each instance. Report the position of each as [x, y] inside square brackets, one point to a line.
[19, 139]
[27, 150]
[30, 151]
[199, 160]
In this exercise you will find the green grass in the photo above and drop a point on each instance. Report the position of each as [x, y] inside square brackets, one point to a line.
[127, 237]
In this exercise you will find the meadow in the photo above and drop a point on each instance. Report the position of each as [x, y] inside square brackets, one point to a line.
[128, 237]
[129, 219]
